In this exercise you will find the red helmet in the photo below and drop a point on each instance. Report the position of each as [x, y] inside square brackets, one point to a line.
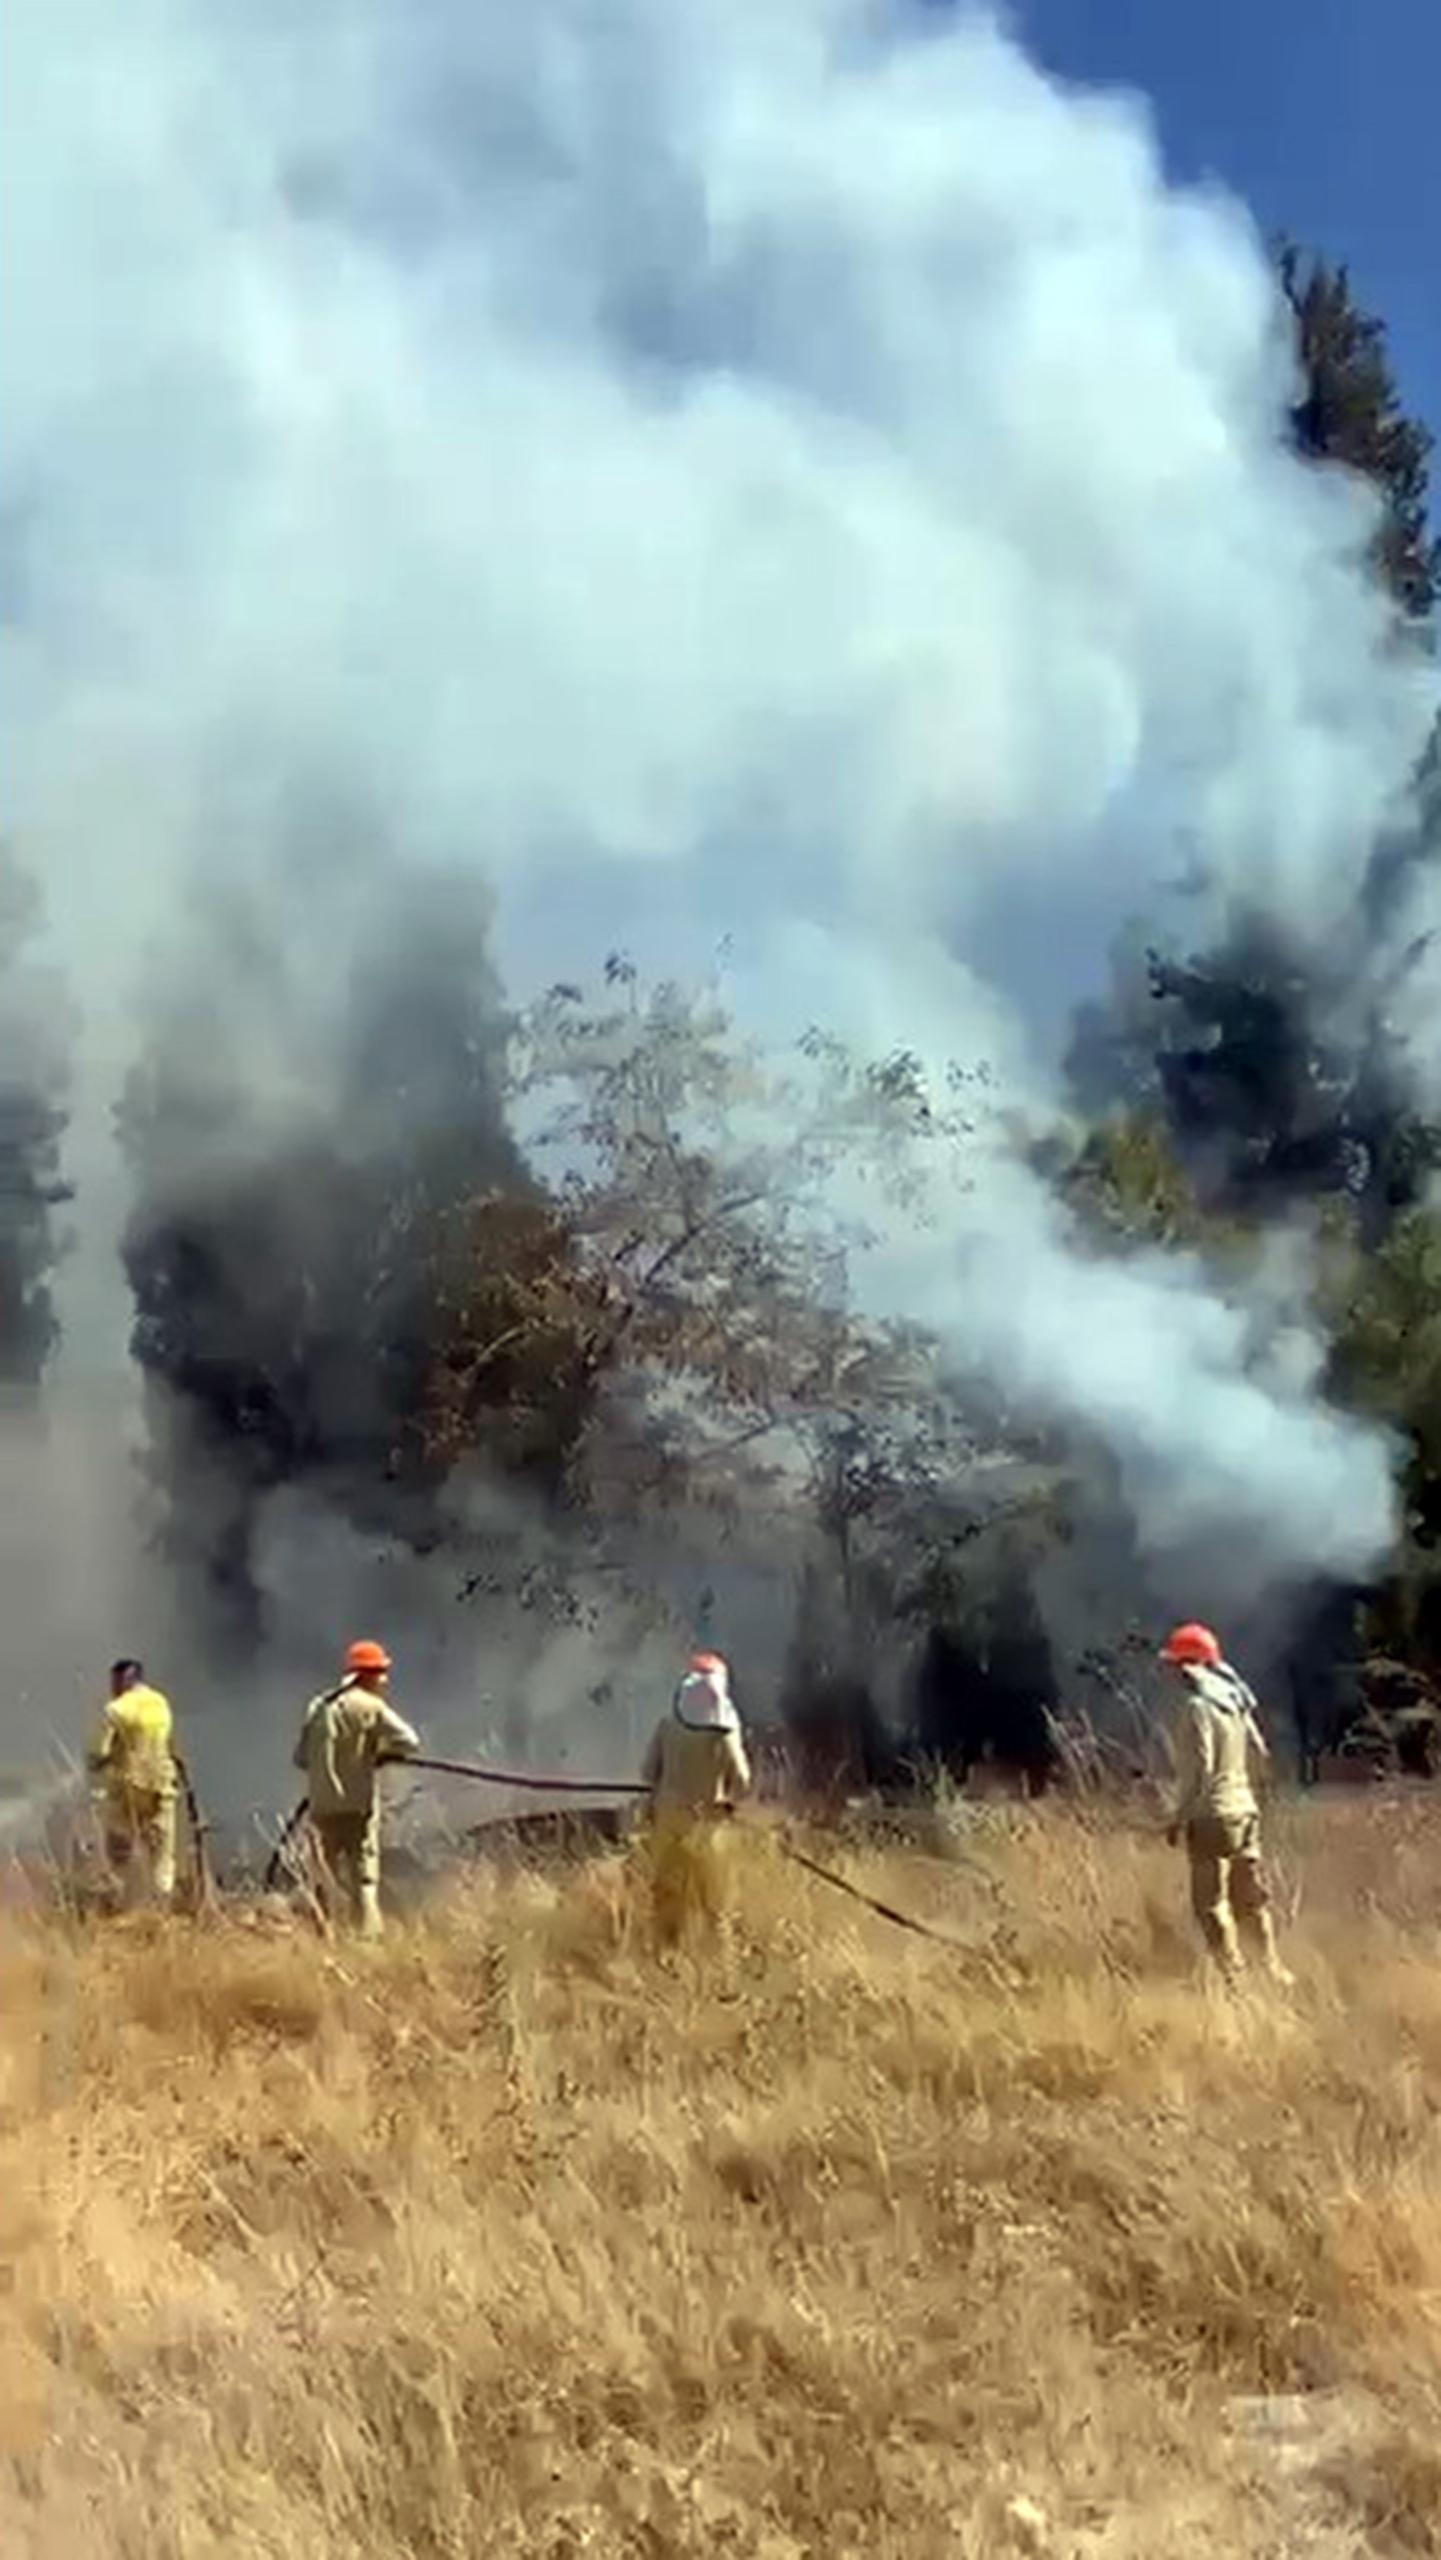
[708, 1664]
[1192, 1643]
[367, 1656]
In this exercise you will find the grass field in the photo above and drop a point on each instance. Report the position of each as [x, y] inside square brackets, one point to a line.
[517, 2235]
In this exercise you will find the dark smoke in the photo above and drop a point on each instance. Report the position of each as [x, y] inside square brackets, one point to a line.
[286, 1257]
[987, 1686]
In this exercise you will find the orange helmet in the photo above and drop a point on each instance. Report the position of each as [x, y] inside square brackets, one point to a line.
[710, 1663]
[1192, 1643]
[366, 1656]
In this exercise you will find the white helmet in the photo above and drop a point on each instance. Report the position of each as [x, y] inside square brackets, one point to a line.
[703, 1699]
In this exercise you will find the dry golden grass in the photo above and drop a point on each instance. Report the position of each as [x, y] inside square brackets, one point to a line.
[517, 2235]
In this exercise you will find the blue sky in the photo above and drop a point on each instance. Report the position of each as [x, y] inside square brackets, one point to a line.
[1321, 113]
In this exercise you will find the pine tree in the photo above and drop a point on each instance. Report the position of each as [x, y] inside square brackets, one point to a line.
[1349, 412]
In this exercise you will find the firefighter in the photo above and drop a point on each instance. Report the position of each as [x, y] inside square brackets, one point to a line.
[697, 1770]
[348, 1731]
[133, 1758]
[696, 1763]
[1220, 1755]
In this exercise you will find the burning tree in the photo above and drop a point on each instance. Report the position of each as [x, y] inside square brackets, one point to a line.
[1276, 1075]
[601, 1251]
[702, 1292]
[1246, 1084]
[719, 1207]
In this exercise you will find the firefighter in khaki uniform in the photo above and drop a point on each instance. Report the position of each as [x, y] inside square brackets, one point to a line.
[347, 1732]
[1220, 1754]
[697, 1771]
[133, 1758]
[696, 1766]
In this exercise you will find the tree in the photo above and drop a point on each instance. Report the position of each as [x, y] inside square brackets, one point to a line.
[1127, 1184]
[1386, 1353]
[1235, 1087]
[516, 1340]
[1263, 1085]
[1349, 412]
[713, 1211]
[1273, 1080]
[703, 1188]
[1358, 1650]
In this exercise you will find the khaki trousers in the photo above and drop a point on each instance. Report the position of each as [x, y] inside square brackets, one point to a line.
[690, 1855]
[1229, 1895]
[349, 1846]
[140, 1841]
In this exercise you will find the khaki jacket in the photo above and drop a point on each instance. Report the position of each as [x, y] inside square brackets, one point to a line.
[134, 1751]
[346, 1733]
[1220, 1749]
[697, 1759]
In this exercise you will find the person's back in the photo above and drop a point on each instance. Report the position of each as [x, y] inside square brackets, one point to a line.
[1220, 1753]
[696, 1769]
[697, 1760]
[1220, 1747]
[347, 1732]
[134, 1760]
[137, 1751]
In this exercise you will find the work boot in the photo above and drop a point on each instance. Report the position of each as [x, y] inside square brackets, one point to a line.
[1262, 1934]
[1277, 1973]
[1223, 1946]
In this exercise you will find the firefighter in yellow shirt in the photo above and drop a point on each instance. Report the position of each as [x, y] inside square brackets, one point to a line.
[133, 1758]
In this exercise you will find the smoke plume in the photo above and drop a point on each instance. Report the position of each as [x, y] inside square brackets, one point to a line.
[793, 477]
[318, 1086]
[34, 1080]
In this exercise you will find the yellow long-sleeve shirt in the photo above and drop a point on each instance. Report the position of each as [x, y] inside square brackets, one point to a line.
[134, 1751]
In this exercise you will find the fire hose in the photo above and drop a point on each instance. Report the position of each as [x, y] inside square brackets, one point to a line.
[514, 1778]
[536, 1784]
[884, 1910]
[532, 1782]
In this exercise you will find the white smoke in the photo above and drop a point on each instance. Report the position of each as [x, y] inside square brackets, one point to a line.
[783, 473]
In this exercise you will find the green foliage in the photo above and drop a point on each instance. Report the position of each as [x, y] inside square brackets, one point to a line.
[1386, 1357]
[1384, 1307]
[1129, 1187]
[1131, 1190]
